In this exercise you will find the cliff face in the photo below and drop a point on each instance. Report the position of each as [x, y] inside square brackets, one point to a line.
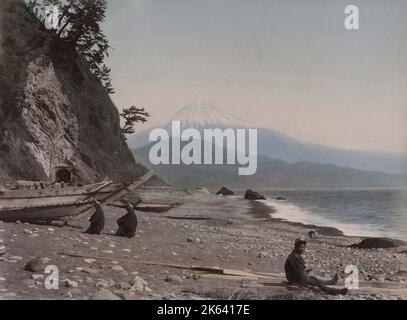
[52, 109]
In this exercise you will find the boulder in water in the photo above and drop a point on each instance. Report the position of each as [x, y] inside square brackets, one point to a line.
[225, 192]
[252, 195]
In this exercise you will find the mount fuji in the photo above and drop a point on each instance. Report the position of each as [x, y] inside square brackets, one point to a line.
[276, 145]
[206, 115]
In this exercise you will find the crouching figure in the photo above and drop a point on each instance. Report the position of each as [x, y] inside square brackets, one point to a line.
[97, 221]
[127, 224]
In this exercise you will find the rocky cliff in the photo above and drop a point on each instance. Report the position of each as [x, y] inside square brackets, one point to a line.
[52, 109]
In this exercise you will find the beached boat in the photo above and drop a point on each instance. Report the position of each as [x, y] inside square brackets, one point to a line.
[61, 203]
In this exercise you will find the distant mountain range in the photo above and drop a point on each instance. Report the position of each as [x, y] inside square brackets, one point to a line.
[271, 173]
[283, 162]
[278, 145]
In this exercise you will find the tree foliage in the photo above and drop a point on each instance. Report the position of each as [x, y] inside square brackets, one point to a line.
[78, 24]
[132, 116]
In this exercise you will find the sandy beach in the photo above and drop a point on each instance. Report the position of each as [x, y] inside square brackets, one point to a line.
[204, 230]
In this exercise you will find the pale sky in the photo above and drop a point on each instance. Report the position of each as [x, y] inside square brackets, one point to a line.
[286, 65]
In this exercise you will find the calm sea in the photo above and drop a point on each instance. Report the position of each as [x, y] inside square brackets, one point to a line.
[358, 212]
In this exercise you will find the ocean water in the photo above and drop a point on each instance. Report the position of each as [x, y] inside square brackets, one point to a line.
[371, 212]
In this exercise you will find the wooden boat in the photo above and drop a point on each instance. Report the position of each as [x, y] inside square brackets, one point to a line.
[61, 203]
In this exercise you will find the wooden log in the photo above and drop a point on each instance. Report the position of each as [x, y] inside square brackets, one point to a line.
[116, 196]
[155, 207]
[145, 207]
[227, 277]
[197, 218]
[240, 273]
[209, 270]
[214, 270]
[120, 194]
[157, 188]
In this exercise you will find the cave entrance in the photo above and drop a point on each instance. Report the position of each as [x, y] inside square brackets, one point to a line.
[63, 174]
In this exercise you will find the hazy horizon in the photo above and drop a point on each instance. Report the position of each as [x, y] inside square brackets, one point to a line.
[291, 67]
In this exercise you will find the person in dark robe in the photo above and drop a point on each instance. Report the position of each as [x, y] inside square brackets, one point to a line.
[297, 273]
[127, 224]
[97, 221]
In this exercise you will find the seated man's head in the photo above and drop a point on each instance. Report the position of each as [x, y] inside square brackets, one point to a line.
[299, 246]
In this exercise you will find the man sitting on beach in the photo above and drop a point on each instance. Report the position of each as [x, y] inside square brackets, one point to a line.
[297, 273]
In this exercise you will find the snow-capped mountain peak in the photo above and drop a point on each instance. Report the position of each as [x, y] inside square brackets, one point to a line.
[206, 115]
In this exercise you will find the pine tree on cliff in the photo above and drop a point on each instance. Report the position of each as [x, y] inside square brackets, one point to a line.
[132, 116]
[77, 23]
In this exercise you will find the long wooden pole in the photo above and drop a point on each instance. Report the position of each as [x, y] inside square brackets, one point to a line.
[118, 195]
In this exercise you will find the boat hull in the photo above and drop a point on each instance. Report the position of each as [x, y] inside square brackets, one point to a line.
[54, 203]
[44, 214]
[58, 203]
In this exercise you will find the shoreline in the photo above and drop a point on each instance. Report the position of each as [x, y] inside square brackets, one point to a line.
[266, 210]
[294, 214]
[263, 210]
